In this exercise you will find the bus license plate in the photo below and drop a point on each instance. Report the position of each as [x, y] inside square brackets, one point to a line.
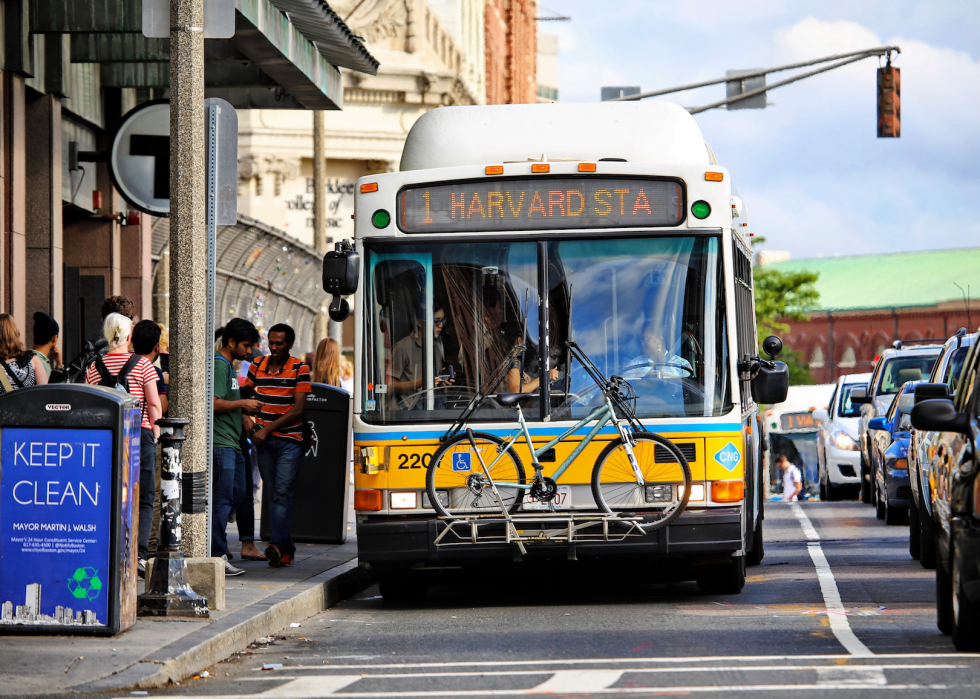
[562, 501]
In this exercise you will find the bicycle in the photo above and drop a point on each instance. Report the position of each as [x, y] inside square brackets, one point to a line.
[478, 473]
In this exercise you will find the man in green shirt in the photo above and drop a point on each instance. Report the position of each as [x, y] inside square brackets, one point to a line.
[228, 461]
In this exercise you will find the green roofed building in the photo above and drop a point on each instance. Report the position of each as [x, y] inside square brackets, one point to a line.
[867, 302]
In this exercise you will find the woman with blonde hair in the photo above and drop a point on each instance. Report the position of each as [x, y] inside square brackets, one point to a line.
[122, 369]
[20, 367]
[326, 363]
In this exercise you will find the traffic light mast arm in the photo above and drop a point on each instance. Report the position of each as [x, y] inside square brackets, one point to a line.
[854, 55]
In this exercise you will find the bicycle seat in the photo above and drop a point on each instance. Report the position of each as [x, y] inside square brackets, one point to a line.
[507, 399]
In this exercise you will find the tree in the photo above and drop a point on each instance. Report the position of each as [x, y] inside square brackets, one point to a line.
[783, 296]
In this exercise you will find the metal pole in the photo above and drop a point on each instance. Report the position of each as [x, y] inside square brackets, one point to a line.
[168, 592]
[190, 346]
[211, 204]
[320, 327]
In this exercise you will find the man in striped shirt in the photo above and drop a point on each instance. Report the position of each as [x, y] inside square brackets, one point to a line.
[281, 383]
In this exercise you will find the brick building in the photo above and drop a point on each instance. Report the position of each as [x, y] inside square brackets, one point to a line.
[511, 45]
[869, 301]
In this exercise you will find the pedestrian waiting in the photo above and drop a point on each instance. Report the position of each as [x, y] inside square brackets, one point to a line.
[76, 370]
[20, 369]
[46, 331]
[281, 382]
[326, 363]
[121, 369]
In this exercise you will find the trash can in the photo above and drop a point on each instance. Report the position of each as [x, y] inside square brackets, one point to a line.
[322, 494]
[69, 481]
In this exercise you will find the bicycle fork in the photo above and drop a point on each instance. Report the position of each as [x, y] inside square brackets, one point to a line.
[628, 444]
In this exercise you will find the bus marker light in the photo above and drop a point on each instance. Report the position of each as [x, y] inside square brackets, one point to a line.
[714, 176]
[369, 500]
[697, 492]
[494, 170]
[701, 209]
[727, 491]
[381, 218]
[369, 187]
[404, 501]
[541, 167]
[586, 167]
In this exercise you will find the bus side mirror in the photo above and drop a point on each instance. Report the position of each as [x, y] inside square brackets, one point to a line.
[771, 385]
[859, 395]
[772, 346]
[341, 273]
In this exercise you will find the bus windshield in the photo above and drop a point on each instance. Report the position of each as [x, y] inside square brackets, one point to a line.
[442, 319]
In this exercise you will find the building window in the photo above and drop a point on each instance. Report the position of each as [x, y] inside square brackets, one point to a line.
[848, 359]
[816, 358]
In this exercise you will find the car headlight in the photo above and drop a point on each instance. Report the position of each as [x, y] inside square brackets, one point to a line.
[842, 440]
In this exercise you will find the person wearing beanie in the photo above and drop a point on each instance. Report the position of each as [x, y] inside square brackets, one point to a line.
[46, 331]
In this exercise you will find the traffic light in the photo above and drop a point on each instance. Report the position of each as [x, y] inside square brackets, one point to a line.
[889, 102]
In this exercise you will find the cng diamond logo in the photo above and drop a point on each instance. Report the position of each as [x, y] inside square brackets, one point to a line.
[728, 456]
[461, 462]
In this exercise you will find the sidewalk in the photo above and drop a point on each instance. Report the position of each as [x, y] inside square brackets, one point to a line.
[154, 652]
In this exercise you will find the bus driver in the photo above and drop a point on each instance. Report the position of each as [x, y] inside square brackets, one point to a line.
[407, 358]
[656, 360]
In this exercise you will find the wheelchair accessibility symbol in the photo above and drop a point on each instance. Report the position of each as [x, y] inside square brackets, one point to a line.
[461, 462]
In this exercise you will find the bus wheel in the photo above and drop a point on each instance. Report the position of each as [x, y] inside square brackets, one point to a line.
[402, 589]
[758, 552]
[725, 579]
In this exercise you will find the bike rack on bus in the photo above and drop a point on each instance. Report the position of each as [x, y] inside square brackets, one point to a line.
[547, 527]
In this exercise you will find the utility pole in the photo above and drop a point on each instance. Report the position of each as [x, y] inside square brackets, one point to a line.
[190, 348]
[320, 328]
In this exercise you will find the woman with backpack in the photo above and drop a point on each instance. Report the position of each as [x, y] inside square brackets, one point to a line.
[20, 368]
[121, 369]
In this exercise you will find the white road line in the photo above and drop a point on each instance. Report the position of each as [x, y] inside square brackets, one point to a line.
[578, 682]
[311, 686]
[828, 587]
[858, 676]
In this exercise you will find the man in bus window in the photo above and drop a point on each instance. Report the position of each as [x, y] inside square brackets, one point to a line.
[408, 357]
[657, 360]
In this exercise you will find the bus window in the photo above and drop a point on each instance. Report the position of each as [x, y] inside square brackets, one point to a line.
[649, 310]
[443, 318]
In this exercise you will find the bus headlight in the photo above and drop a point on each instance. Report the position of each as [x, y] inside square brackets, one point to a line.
[843, 441]
[404, 501]
[659, 493]
[697, 492]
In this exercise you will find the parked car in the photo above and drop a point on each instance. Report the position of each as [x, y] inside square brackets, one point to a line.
[791, 431]
[956, 503]
[895, 366]
[922, 447]
[838, 452]
[889, 458]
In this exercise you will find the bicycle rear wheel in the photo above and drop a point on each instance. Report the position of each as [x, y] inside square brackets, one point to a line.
[457, 482]
[666, 480]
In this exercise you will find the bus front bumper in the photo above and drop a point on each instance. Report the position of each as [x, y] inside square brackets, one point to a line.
[694, 533]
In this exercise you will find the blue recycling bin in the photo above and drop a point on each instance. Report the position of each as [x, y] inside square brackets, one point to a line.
[69, 503]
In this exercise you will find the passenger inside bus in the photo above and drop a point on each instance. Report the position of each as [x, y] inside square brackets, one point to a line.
[519, 376]
[408, 361]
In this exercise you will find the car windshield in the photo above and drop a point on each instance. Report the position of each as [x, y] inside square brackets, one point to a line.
[898, 370]
[848, 409]
[442, 321]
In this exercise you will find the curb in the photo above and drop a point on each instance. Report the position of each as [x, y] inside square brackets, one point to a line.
[212, 644]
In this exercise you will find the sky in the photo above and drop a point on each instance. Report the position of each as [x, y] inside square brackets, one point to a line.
[809, 167]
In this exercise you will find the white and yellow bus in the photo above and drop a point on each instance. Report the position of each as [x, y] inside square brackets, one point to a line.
[608, 224]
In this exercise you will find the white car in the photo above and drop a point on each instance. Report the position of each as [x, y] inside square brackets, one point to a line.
[838, 448]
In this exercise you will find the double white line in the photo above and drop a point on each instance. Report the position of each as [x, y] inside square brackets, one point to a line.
[828, 587]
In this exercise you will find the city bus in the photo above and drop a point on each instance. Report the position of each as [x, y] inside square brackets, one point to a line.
[610, 227]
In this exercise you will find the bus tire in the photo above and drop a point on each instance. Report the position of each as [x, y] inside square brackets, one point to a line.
[435, 469]
[725, 579]
[758, 552]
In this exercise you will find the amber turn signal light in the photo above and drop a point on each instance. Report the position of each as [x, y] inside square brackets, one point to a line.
[541, 167]
[369, 500]
[494, 170]
[714, 176]
[727, 491]
[369, 187]
[586, 167]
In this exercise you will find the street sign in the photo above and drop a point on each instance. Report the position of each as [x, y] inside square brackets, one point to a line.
[219, 19]
[733, 88]
[139, 160]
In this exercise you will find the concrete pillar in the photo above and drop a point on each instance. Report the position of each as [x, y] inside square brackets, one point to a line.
[190, 348]
[45, 275]
[321, 322]
[14, 195]
[161, 289]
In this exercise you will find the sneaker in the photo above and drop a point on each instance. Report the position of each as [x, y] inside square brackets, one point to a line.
[141, 568]
[230, 570]
[287, 559]
[274, 555]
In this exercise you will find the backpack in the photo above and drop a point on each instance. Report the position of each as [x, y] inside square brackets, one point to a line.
[119, 381]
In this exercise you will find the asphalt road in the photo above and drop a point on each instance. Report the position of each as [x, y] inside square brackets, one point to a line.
[576, 629]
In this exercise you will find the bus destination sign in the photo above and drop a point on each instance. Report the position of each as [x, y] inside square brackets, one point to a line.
[540, 204]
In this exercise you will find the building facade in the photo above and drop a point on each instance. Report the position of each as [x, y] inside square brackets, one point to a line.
[511, 38]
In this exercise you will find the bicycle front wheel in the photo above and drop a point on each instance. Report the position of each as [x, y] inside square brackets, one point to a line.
[462, 480]
[662, 494]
